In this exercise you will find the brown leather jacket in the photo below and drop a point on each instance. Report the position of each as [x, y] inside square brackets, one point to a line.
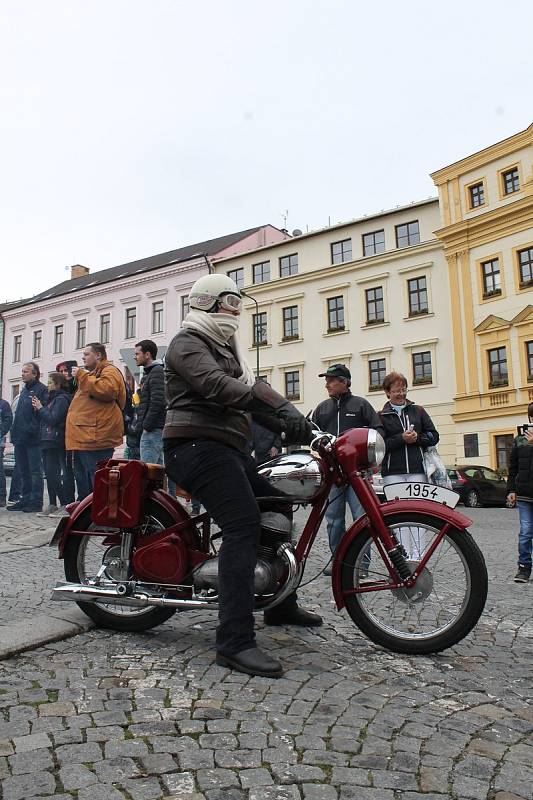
[94, 419]
[205, 399]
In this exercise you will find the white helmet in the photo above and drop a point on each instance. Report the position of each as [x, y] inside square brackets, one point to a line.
[206, 291]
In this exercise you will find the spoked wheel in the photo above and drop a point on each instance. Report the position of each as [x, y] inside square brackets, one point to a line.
[84, 556]
[472, 499]
[443, 606]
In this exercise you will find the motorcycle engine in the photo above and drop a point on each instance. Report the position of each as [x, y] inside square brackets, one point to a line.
[276, 528]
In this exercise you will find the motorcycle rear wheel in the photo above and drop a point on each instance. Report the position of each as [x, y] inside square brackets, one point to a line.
[83, 557]
[452, 588]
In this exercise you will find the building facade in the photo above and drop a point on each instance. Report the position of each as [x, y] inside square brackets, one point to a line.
[486, 205]
[372, 294]
[117, 307]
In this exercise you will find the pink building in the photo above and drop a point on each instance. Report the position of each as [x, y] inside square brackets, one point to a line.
[145, 299]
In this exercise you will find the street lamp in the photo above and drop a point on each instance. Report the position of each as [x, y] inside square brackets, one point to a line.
[257, 343]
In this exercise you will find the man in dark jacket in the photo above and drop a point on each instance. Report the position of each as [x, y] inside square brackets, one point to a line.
[152, 406]
[265, 444]
[340, 412]
[25, 437]
[6, 420]
[520, 488]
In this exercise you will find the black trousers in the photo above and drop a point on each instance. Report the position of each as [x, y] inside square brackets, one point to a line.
[54, 469]
[227, 484]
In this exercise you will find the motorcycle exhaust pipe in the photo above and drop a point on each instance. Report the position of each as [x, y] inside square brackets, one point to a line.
[117, 595]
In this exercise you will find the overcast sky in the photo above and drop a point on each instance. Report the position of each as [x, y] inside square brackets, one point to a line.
[132, 127]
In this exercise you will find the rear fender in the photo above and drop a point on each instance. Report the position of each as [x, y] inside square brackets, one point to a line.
[67, 525]
[394, 507]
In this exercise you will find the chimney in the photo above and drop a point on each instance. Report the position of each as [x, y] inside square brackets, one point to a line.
[77, 271]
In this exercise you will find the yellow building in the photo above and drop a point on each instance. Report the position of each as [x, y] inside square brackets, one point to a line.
[371, 293]
[486, 205]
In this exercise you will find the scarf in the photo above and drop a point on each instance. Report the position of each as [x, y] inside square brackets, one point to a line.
[222, 328]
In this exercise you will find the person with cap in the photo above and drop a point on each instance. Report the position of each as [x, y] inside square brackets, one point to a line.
[211, 396]
[340, 412]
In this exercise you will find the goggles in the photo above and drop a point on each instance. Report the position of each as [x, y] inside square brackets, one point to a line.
[230, 302]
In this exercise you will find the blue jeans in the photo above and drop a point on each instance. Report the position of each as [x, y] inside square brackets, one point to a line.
[152, 446]
[336, 513]
[28, 457]
[85, 466]
[525, 537]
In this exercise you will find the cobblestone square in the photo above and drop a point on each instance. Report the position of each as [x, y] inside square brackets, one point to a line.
[134, 717]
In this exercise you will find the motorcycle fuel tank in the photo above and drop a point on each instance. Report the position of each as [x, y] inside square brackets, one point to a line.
[299, 475]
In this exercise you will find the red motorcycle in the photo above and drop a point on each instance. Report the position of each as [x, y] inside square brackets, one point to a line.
[408, 572]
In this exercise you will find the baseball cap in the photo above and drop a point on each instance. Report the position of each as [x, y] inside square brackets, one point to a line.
[336, 371]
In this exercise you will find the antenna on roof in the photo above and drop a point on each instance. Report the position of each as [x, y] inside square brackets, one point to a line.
[284, 216]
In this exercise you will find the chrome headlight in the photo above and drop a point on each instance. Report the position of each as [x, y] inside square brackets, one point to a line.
[375, 448]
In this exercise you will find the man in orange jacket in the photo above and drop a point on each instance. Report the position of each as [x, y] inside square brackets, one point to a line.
[95, 424]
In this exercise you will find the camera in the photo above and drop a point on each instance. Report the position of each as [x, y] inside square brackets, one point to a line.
[523, 428]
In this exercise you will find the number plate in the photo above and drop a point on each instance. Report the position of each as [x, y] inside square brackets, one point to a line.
[421, 491]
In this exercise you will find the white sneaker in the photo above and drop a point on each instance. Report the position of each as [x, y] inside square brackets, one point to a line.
[59, 512]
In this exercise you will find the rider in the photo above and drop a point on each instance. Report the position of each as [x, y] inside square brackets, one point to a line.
[211, 394]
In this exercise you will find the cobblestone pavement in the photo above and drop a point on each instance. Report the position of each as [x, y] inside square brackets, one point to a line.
[107, 716]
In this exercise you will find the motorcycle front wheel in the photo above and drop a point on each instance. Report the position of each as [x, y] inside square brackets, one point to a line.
[83, 557]
[443, 606]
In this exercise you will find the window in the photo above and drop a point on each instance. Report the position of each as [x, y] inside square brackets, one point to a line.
[476, 194]
[105, 328]
[335, 314]
[374, 305]
[407, 234]
[490, 273]
[377, 369]
[184, 306]
[422, 372]
[37, 344]
[81, 333]
[418, 296]
[525, 265]
[58, 338]
[529, 359]
[17, 348]
[237, 275]
[292, 385]
[471, 445]
[288, 265]
[503, 445]
[510, 181]
[341, 251]
[261, 272]
[290, 322]
[157, 317]
[373, 243]
[498, 375]
[131, 322]
[15, 390]
[259, 323]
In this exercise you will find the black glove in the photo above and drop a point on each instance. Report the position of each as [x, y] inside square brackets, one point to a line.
[298, 430]
[266, 402]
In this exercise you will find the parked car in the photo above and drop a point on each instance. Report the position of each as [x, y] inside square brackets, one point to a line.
[478, 485]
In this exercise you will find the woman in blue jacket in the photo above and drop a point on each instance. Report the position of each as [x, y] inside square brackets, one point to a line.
[52, 418]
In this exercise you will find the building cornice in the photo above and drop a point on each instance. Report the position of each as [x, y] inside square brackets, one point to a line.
[502, 221]
[485, 156]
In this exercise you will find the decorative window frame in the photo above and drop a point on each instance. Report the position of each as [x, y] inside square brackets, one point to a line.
[372, 355]
[417, 271]
[292, 367]
[372, 282]
[469, 208]
[518, 166]
[282, 302]
[516, 267]
[480, 285]
[339, 290]
[422, 346]
[251, 309]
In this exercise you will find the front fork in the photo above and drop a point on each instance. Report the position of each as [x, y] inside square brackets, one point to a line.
[390, 545]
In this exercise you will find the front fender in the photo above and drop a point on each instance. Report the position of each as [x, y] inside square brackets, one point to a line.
[441, 512]
[68, 524]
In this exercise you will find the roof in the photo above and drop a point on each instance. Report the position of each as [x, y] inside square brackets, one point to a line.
[209, 247]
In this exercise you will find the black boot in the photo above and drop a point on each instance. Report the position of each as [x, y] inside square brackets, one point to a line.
[290, 613]
[253, 662]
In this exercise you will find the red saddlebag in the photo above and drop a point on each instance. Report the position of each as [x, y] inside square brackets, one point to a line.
[119, 488]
